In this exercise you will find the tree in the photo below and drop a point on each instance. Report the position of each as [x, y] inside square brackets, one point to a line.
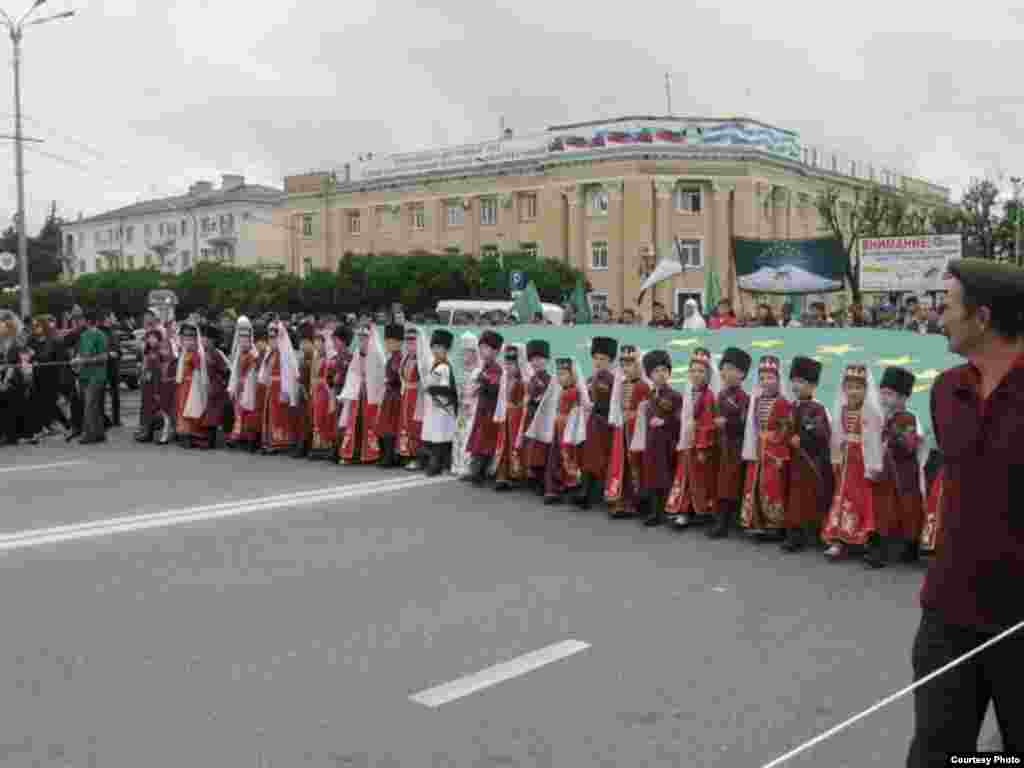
[44, 264]
[978, 207]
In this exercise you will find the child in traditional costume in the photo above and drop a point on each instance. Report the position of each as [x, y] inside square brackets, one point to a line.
[562, 473]
[323, 406]
[694, 493]
[483, 431]
[899, 491]
[410, 422]
[508, 456]
[245, 430]
[461, 458]
[767, 451]
[442, 403]
[657, 435]
[279, 374]
[192, 387]
[337, 375]
[631, 388]
[535, 451]
[733, 406]
[857, 450]
[389, 417]
[151, 385]
[361, 398]
[597, 445]
[810, 478]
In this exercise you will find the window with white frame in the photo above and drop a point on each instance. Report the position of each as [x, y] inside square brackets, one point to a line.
[129, 234]
[489, 251]
[690, 253]
[307, 225]
[686, 199]
[131, 260]
[598, 302]
[455, 214]
[354, 223]
[529, 249]
[599, 201]
[529, 206]
[148, 260]
[419, 217]
[488, 211]
[204, 254]
[599, 255]
[81, 266]
[186, 260]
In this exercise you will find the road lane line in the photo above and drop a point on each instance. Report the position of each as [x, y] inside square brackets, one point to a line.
[30, 467]
[98, 528]
[499, 673]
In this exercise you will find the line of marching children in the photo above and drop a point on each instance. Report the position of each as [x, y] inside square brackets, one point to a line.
[774, 461]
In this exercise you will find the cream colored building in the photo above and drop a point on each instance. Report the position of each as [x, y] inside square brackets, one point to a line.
[231, 225]
[605, 197]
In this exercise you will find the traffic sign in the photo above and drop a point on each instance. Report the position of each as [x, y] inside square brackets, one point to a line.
[517, 281]
[7, 261]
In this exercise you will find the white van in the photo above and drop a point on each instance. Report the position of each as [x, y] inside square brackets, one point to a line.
[446, 310]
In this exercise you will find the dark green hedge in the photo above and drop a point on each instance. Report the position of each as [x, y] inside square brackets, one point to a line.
[418, 281]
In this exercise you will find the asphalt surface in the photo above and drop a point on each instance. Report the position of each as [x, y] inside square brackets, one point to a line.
[295, 635]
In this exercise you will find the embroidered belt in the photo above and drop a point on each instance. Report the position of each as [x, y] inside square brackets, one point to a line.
[853, 438]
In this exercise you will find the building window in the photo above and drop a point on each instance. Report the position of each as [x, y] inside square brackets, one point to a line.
[689, 252]
[186, 261]
[147, 260]
[129, 234]
[204, 254]
[598, 302]
[419, 217]
[599, 201]
[81, 266]
[686, 199]
[354, 223]
[489, 251]
[229, 256]
[529, 207]
[81, 239]
[599, 255]
[455, 214]
[307, 225]
[148, 229]
[110, 236]
[184, 227]
[99, 263]
[130, 258]
[488, 211]
[96, 238]
[529, 249]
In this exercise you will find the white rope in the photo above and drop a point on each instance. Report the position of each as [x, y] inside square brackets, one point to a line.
[888, 700]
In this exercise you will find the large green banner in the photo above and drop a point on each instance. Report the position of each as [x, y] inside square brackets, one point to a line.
[790, 266]
[926, 356]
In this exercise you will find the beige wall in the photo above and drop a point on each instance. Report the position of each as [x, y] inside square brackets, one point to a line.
[737, 199]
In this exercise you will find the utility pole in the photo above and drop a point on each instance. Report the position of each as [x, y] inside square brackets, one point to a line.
[16, 30]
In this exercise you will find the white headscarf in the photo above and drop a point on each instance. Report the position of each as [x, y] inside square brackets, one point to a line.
[289, 366]
[501, 410]
[753, 427]
[871, 424]
[694, 322]
[242, 390]
[576, 424]
[543, 427]
[199, 391]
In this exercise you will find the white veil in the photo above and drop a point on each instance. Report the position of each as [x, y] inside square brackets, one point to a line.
[242, 390]
[543, 427]
[502, 409]
[199, 392]
[576, 424]
[872, 422]
[753, 427]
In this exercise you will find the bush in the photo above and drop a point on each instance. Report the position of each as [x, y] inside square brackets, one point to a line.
[372, 282]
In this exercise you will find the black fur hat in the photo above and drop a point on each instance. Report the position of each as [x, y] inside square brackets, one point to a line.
[538, 348]
[603, 345]
[805, 368]
[343, 333]
[657, 358]
[737, 357]
[394, 331]
[492, 339]
[899, 380]
[443, 338]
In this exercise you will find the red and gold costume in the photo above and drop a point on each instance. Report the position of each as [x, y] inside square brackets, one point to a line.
[277, 424]
[767, 480]
[185, 426]
[246, 428]
[851, 520]
[410, 420]
[323, 406]
[898, 504]
[508, 454]
[562, 472]
[535, 452]
[622, 489]
[359, 442]
[695, 485]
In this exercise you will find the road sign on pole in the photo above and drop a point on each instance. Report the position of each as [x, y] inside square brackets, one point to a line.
[517, 281]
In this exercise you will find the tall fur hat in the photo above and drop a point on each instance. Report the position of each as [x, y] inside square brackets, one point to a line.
[805, 368]
[538, 348]
[899, 380]
[737, 357]
[603, 345]
[657, 358]
[442, 338]
[492, 339]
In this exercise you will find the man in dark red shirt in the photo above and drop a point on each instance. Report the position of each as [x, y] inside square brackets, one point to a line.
[724, 317]
[972, 592]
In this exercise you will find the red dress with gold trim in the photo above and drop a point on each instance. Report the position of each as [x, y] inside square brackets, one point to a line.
[899, 508]
[409, 429]
[323, 407]
[183, 425]
[246, 428]
[767, 482]
[622, 489]
[278, 422]
[851, 520]
[508, 452]
[563, 468]
[695, 486]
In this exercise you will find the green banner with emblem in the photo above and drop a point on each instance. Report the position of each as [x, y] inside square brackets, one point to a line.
[790, 266]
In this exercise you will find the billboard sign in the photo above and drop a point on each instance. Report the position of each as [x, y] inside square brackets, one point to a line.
[914, 264]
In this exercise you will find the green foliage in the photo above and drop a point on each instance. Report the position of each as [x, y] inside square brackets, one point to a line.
[361, 282]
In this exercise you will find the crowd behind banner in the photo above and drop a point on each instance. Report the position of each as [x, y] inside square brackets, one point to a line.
[743, 444]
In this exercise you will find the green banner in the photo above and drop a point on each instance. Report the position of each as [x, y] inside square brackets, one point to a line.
[926, 356]
[790, 266]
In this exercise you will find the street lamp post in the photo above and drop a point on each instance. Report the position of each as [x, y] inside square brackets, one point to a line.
[16, 31]
[1019, 241]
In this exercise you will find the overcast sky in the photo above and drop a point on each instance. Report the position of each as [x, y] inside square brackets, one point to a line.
[139, 99]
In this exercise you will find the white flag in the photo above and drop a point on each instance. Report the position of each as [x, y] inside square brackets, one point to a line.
[666, 268]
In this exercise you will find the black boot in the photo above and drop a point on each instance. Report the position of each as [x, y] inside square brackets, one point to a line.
[478, 470]
[796, 540]
[434, 460]
[657, 515]
[446, 457]
[720, 529]
[874, 556]
[911, 553]
[387, 447]
[582, 499]
[211, 438]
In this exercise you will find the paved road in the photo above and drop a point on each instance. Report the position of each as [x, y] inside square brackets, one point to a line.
[295, 635]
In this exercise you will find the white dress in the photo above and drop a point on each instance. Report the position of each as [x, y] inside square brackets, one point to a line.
[438, 422]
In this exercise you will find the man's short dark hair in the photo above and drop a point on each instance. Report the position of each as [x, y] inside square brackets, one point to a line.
[1007, 314]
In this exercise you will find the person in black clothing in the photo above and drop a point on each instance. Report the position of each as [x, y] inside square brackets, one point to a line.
[112, 330]
[49, 355]
[10, 380]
